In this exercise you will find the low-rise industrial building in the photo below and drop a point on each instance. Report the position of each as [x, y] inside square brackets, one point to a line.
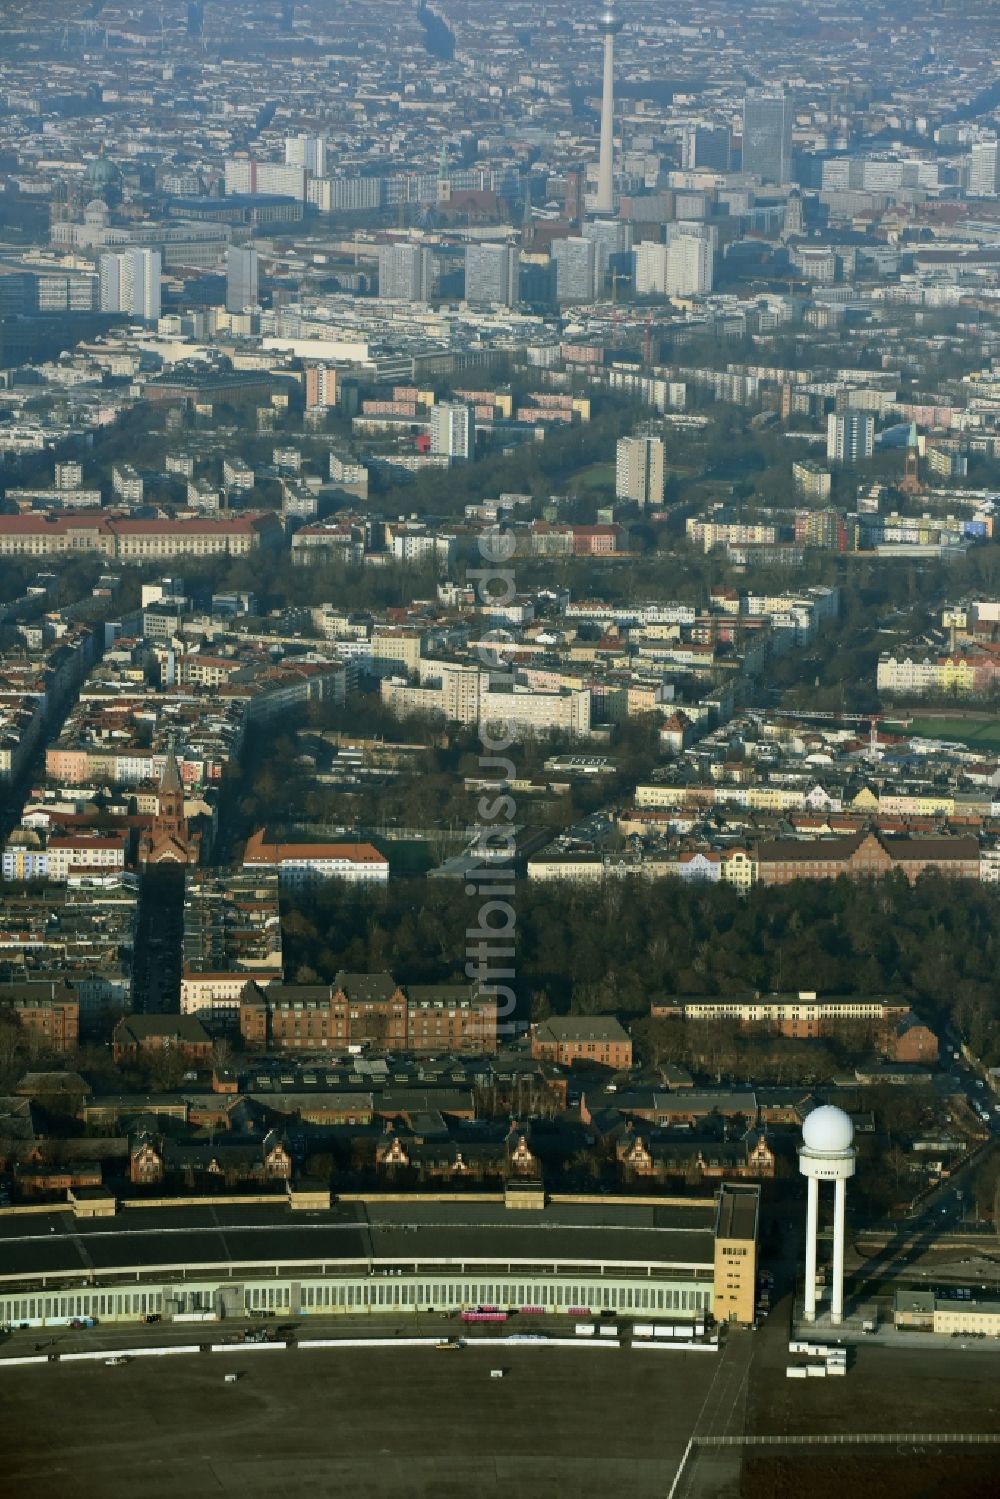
[958, 1312]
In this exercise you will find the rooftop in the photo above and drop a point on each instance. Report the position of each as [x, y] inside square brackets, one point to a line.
[450, 1230]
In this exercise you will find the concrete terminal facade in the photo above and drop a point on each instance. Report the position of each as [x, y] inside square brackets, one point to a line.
[390, 1256]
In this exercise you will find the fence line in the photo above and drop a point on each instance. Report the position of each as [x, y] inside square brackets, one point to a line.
[856, 1439]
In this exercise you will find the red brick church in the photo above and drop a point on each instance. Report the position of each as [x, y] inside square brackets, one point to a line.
[168, 840]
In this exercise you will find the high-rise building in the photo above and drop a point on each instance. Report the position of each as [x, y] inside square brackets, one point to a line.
[574, 205]
[850, 437]
[452, 430]
[537, 283]
[241, 278]
[612, 242]
[405, 273]
[793, 226]
[706, 146]
[690, 265]
[130, 282]
[575, 263]
[604, 202]
[321, 386]
[353, 194]
[767, 135]
[491, 275]
[639, 470]
[244, 175]
[984, 169]
[650, 269]
[308, 151]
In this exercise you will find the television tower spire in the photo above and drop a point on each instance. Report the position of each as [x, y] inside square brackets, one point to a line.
[610, 24]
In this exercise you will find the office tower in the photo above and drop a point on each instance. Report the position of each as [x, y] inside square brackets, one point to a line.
[793, 227]
[574, 204]
[195, 18]
[452, 430]
[639, 470]
[130, 282]
[405, 273]
[321, 386]
[984, 169]
[491, 275]
[705, 146]
[241, 278]
[109, 268]
[767, 135]
[650, 269]
[850, 437]
[308, 151]
[690, 265]
[575, 261]
[612, 242]
[537, 283]
[142, 283]
[605, 200]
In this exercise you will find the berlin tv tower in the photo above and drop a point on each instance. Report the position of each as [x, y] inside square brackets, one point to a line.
[610, 23]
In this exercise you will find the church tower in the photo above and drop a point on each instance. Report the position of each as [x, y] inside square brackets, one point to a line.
[910, 483]
[168, 840]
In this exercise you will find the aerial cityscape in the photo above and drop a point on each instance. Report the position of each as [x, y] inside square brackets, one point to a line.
[500, 749]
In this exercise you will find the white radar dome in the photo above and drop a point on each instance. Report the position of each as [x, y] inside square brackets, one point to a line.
[828, 1130]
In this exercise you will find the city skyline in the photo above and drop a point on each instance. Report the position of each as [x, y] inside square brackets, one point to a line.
[499, 748]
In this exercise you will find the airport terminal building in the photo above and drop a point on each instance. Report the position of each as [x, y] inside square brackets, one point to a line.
[676, 1260]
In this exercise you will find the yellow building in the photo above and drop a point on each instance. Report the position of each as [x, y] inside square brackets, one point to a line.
[932, 805]
[736, 1253]
[738, 869]
[959, 1314]
[662, 796]
[956, 672]
[967, 1317]
[775, 799]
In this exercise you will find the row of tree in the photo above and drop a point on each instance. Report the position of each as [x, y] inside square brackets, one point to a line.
[612, 950]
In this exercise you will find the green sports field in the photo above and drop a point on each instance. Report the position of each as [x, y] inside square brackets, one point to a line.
[981, 733]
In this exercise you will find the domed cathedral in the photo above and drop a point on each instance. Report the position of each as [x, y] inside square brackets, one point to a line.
[102, 179]
[168, 840]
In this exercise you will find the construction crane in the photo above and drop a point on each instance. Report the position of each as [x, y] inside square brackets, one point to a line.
[871, 719]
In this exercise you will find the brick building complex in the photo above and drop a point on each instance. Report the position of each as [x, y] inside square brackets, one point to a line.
[368, 1009]
[42, 534]
[805, 1015]
[142, 1037]
[300, 865]
[569, 1039]
[866, 855]
[801, 1014]
[47, 1011]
